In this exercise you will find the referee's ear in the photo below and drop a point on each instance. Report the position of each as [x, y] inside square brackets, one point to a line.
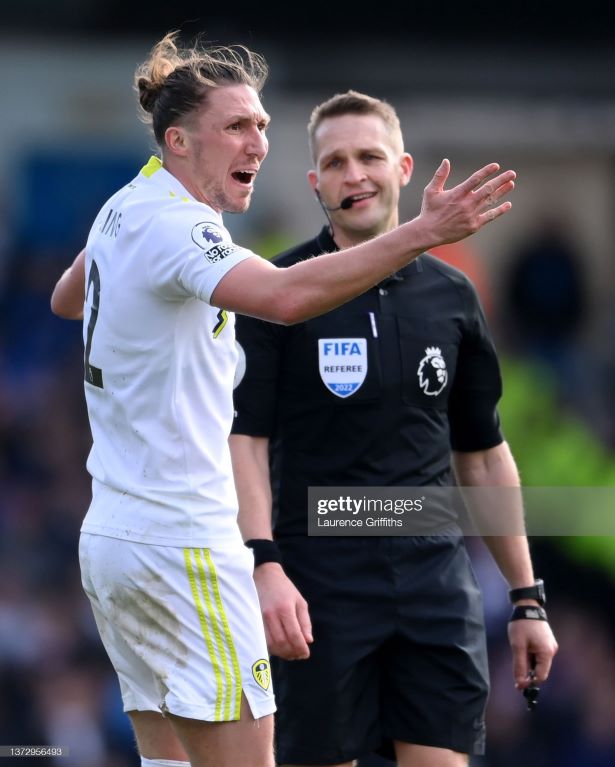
[406, 166]
[312, 178]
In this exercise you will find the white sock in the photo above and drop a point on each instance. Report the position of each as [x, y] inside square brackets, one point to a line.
[162, 763]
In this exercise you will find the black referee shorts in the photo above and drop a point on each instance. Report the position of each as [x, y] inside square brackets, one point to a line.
[399, 649]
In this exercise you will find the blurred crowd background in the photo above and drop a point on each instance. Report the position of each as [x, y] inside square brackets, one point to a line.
[530, 87]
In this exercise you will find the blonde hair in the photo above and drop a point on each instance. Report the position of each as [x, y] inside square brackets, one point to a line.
[175, 81]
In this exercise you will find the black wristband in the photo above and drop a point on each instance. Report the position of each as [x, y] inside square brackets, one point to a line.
[264, 550]
[528, 612]
[537, 592]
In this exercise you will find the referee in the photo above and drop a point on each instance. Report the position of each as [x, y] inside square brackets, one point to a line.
[397, 387]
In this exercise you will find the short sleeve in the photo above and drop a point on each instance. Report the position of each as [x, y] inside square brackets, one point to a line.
[190, 251]
[477, 388]
[256, 392]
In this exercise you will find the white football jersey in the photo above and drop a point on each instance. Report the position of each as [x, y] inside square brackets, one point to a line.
[159, 366]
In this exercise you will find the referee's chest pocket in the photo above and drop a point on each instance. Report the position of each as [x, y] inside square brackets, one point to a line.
[345, 359]
[428, 359]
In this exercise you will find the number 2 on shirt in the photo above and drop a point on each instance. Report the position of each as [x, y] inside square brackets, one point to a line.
[93, 375]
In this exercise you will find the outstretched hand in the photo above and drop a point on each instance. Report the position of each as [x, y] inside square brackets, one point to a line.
[453, 214]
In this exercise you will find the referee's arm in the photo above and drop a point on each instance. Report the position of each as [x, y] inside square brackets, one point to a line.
[532, 642]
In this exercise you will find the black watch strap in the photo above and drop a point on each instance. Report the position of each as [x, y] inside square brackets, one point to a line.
[537, 592]
[528, 612]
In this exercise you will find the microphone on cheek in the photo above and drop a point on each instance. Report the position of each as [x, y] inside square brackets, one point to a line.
[345, 204]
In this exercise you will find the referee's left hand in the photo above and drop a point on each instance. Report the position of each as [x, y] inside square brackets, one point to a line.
[533, 647]
[288, 628]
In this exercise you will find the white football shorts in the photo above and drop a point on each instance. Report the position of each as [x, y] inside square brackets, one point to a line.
[182, 626]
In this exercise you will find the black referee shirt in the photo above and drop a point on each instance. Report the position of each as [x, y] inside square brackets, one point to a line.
[374, 393]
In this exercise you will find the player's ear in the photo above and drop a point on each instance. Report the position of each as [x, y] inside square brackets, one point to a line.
[176, 140]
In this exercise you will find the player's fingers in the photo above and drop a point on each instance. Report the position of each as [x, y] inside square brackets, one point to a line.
[500, 192]
[439, 179]
[294, 637]
[284, 649]
[276, 638]
[491, 200]
[303, 616]
[497, 186]
[476, 179]
[273, 627]
[493, 213]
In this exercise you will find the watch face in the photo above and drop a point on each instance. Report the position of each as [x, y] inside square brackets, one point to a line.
[540, 588]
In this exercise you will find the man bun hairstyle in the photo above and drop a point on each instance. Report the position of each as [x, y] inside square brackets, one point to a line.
[174, 82]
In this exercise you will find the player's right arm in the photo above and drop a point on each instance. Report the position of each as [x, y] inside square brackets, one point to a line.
[69, 293]
[257, 288]
[285, 612]
[309, 288]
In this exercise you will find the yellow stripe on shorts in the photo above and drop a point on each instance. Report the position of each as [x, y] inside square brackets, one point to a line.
[206, 633]
[225, 677]
[211, 612]
[227, 632]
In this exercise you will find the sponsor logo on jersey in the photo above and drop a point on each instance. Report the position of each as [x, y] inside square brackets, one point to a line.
[206, 234]
[210, 238]
[343, 364]
[432, 372]
[262, 673]
[218, 252]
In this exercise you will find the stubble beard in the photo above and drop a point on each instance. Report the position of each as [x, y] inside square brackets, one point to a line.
[228, 205]
[215, 195]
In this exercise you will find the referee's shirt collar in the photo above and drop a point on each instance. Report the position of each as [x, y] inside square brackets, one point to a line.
[328, 245]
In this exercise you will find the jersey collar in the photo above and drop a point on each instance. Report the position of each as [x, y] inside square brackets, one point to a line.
[157, 174]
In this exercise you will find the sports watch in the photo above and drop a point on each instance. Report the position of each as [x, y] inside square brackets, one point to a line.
[537, 592]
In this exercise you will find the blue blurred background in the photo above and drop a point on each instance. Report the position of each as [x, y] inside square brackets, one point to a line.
[530, 86]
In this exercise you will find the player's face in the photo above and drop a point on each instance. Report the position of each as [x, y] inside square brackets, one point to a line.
[357, 156]
[227, 145]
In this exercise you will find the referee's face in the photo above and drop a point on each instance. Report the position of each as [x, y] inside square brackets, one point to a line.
[225, 145]
[358, 157]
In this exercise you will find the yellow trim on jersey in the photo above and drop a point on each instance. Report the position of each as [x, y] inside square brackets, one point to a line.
[221, 324]
[227, 631]
[211, 615]
[205, 628]
[183, 199]
[153, 164]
